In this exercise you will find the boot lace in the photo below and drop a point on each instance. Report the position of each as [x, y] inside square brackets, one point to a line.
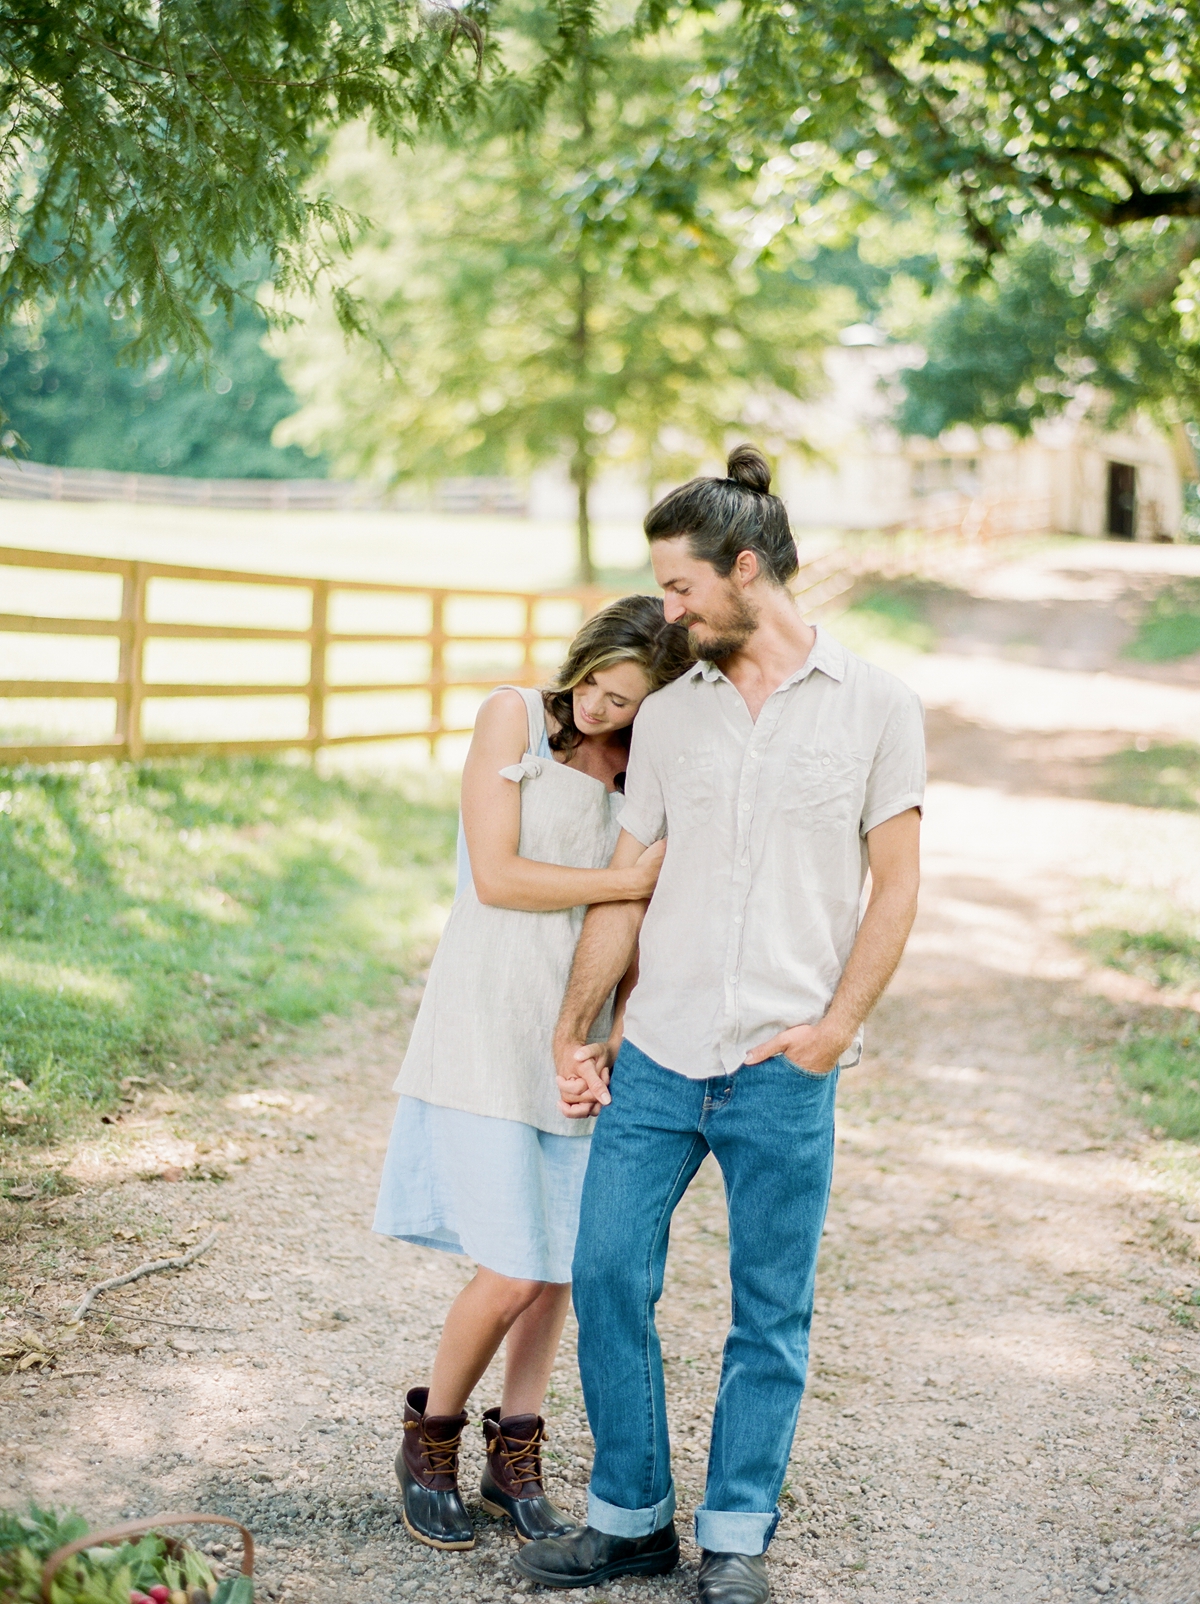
[522, 1457]
[441, 1457]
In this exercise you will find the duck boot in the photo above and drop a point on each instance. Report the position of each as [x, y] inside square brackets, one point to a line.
[427, 1470]
[512, 1478]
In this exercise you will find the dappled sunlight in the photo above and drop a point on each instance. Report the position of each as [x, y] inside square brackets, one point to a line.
[59, 980]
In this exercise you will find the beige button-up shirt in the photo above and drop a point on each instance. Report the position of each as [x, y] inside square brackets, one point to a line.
[759, 898]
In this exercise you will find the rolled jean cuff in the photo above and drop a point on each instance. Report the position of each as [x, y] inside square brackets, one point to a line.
[617, 1522]
[730, 1532]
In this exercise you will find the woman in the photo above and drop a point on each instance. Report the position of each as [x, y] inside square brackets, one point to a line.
[481, 1159]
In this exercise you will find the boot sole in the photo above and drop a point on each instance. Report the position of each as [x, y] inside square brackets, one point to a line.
[502, 1514]
[646, 1565]
[433, 1542]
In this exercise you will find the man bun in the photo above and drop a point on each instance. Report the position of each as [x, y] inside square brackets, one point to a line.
[747, 466]
[722, 517]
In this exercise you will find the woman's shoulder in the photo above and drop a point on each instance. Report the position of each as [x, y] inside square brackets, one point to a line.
[504, 708]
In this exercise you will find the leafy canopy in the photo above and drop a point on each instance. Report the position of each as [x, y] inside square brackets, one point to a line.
[1061, 320]
[69, 399]
[1077, 112]
[149, 149]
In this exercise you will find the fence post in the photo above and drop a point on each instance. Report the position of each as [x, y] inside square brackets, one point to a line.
[130, 686]
[437, 666]
[318, 639]
[530, 642]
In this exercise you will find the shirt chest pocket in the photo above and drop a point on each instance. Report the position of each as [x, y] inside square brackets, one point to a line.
[824, 788]
[690, 790]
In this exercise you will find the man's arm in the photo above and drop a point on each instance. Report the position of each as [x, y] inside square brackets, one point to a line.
[606, 947]
[893, 849]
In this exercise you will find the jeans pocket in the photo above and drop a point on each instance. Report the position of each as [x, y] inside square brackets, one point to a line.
[799, 1069]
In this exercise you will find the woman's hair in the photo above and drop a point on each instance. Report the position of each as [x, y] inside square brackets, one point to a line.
[722, 517]
[632, 630]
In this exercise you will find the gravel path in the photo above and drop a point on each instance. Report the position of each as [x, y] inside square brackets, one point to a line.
[1004, 1396]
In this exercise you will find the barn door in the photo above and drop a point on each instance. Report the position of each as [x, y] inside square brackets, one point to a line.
[1122, 500]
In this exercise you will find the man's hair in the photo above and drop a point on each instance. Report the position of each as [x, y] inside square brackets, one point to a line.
[722, 517]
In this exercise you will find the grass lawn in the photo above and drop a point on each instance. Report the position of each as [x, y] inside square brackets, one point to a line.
[153, 917]
[1170, 626]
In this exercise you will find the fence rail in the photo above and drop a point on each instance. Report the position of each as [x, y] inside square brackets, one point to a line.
[37, 481]
[138, 621]
[538, 623]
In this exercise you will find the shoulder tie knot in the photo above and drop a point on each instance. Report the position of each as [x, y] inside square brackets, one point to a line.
[527, 769]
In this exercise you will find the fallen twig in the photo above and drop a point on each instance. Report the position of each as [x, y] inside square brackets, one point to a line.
[180, 1263]
[156, 1320]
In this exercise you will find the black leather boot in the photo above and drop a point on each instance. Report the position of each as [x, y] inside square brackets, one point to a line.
[585, 1556]
[512, 1478]
[427, 1470]
[733, 1579]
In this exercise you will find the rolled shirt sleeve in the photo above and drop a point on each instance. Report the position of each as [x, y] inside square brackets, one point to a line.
[644, 814]
[896, 781]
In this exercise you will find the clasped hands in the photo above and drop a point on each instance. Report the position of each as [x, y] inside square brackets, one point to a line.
[584, 1068]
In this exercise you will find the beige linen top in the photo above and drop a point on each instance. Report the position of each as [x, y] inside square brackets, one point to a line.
[758, 902]
[482, 1041]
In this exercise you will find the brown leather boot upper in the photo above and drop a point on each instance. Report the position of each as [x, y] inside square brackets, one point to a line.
[514, 1452]
[431, 1443]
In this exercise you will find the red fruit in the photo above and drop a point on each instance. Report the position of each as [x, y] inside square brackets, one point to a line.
[160, 1594]
[139, 1598]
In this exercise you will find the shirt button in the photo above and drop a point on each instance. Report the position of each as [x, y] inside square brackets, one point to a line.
[733, 980]
[745, 807]
[825, 759]
[737, 919]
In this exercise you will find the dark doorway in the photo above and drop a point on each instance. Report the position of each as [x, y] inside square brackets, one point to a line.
[1122, 500]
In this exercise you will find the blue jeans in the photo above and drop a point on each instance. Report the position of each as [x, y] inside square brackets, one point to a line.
[770, 1127]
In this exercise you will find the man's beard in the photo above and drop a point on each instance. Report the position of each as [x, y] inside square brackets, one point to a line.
[732, 629]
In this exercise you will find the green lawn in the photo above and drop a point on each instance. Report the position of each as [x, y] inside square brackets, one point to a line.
[153, 915]
[1170, 626]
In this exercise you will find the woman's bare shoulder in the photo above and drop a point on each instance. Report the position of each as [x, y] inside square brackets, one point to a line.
[501, 727]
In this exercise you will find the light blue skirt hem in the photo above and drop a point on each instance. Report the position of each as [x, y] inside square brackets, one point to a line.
[495, 1190]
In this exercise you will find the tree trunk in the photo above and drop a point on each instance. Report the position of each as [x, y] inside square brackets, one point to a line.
[581, 464]
[581, 474]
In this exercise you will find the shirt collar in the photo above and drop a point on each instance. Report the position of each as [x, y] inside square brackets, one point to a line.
[828, 655]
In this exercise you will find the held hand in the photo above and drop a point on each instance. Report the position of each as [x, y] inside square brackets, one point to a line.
[811, 1047]
[644, 874]
[583, 1075]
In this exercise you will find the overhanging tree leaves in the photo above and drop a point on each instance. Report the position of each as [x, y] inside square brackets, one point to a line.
[1079, 112]
[1062, 321]
[150, 149]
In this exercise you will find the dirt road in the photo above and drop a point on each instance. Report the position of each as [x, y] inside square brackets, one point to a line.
[1004, 1399]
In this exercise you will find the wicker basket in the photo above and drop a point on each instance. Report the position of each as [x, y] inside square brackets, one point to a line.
[232, 1590]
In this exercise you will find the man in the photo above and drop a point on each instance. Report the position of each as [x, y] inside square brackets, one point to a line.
[779, 769]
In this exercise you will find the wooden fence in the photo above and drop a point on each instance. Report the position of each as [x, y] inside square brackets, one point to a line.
[38, 481]
[439, 621]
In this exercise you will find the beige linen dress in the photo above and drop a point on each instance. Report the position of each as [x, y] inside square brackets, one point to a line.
[481, 1161]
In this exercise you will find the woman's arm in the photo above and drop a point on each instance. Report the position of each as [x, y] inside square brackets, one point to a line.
[491, 810]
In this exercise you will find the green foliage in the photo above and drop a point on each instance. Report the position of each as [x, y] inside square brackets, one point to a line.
[600, 289]
[1160, 1066]
[100, 1575]
[153, 149]
[1170, 626]
[1060, 318]
[1162, 1071]
[1154, 955]
[884, 616]
[69, 400]
[1078, 113]
[1156, 777]
[153, 913]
